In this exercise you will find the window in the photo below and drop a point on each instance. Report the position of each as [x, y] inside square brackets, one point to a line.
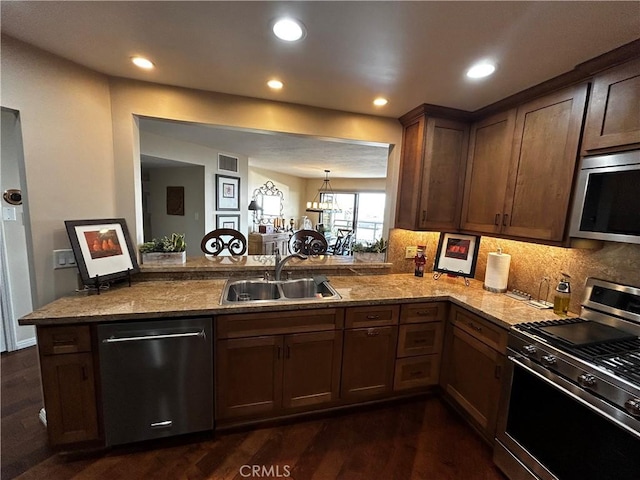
[364, 210]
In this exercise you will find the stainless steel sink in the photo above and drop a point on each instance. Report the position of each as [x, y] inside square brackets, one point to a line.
[261, 291]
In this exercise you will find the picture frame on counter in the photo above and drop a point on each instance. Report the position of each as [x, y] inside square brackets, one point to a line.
[102, 249]
[457, 254]
[228, 221]
[227, 193]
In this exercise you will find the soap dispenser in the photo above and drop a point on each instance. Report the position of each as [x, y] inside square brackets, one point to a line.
[562, 296]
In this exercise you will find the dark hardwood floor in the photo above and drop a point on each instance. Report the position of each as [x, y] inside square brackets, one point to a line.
[418, 439]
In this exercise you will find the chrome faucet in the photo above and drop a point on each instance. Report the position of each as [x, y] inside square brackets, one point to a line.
[280, 263]
[277, 252]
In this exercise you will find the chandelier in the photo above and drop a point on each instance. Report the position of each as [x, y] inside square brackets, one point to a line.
[329, 202]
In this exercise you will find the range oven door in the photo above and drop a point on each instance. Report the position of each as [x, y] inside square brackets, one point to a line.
[550, 428]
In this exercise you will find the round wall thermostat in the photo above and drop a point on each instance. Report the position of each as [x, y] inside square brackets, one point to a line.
[13, 196]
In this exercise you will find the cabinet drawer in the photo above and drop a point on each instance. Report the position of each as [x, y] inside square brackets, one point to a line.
[61, 340]
[423, 312]
[415, 372]
[479, 328]
[420, 339]
[276, 323]
[357, 317]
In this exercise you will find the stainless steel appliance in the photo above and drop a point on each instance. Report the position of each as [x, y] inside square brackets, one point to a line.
[157, 378]
[570, 405]
[607, 198]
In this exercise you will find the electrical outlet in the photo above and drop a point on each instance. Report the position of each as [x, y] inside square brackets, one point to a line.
[411, 251]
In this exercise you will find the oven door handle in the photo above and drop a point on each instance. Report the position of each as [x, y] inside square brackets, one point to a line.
[544, 375]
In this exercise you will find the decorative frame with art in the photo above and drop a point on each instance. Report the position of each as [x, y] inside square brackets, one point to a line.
[102, 249]
[228, 221]
[457, 255]
[227, 193]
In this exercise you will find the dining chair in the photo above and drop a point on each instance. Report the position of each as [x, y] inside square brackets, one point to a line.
[221, 239]
[308, 242]
[342, 245]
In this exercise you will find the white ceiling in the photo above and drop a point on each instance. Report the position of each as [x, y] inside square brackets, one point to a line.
[410, 52]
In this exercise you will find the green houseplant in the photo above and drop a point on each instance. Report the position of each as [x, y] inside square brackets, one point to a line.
[165, 250]
[370, 252]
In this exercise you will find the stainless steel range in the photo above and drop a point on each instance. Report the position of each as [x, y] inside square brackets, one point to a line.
[570, 408]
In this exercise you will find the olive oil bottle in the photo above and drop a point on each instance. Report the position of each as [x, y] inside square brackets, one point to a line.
[562, 296]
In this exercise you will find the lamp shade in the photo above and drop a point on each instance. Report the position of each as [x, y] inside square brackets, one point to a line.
[253, 205]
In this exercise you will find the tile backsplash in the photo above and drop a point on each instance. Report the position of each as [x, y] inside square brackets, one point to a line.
[530, 262]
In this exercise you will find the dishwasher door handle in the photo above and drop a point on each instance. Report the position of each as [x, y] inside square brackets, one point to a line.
[165, 424]
[153, 337]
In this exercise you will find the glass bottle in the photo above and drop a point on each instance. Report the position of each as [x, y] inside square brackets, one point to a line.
[562, 296]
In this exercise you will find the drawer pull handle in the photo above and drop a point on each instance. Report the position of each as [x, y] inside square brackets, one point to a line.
[165, 424]
[279, 352]
[373, 317]
[84, 373]
[497, 222]
[416, 374]
[423, 313]
[420, 340]
[475, 327]
[505, 218]
[372, 332]
[65, 341]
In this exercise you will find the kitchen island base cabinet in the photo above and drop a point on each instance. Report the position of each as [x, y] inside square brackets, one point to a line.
[271, 375]
[472, 366]
[370, 340]
[68, 385]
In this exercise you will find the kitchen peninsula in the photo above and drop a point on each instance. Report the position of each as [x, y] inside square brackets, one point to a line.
[383, 339]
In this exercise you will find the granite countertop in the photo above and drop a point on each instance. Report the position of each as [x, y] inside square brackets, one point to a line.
[163, 299]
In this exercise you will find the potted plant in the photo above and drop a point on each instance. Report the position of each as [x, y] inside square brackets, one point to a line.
[370, 252]
[165, 250]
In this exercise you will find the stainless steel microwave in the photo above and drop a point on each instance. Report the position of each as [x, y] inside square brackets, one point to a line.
[607, 200]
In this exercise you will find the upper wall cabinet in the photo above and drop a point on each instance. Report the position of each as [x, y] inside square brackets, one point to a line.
[613, 120]
[431, 174]
[520, 172]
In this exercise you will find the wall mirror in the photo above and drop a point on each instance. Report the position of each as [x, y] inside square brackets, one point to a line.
[270, 202]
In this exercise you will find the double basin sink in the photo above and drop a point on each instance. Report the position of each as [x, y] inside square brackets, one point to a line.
[259, 290]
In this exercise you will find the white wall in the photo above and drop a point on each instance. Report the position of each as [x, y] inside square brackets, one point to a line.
[133, 98]
[192, 222]
[65, 115]
[193, 154]
[82, 150]
[16, 273]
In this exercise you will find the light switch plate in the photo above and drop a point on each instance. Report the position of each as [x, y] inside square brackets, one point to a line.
[63, 259]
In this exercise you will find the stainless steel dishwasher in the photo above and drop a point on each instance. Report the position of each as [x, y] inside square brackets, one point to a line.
[157, 378]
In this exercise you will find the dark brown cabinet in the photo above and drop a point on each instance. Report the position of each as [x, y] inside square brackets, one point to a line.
[68, 384]
[520, 168]
[369, 353]
[419, 345]
[473, 360]
[431, 173]
[613, 119]
[263, 371]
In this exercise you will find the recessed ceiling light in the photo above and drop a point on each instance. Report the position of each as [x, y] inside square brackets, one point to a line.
[288, 29]
[380, 102]
[481, 70]
[142, 62]
[275, 84]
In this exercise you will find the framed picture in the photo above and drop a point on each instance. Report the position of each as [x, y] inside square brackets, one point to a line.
[228, 221]
[227, 193]
[102, 249]
[175, 200]
[457, 254]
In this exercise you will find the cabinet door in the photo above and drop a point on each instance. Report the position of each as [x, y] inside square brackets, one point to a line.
[311, 368]
[410, 174]
[471, 378]
[487, 173]
[249, 376]
[443, 174]
[368, 361]
[614, 109]
[544, 157]
[70, 399]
